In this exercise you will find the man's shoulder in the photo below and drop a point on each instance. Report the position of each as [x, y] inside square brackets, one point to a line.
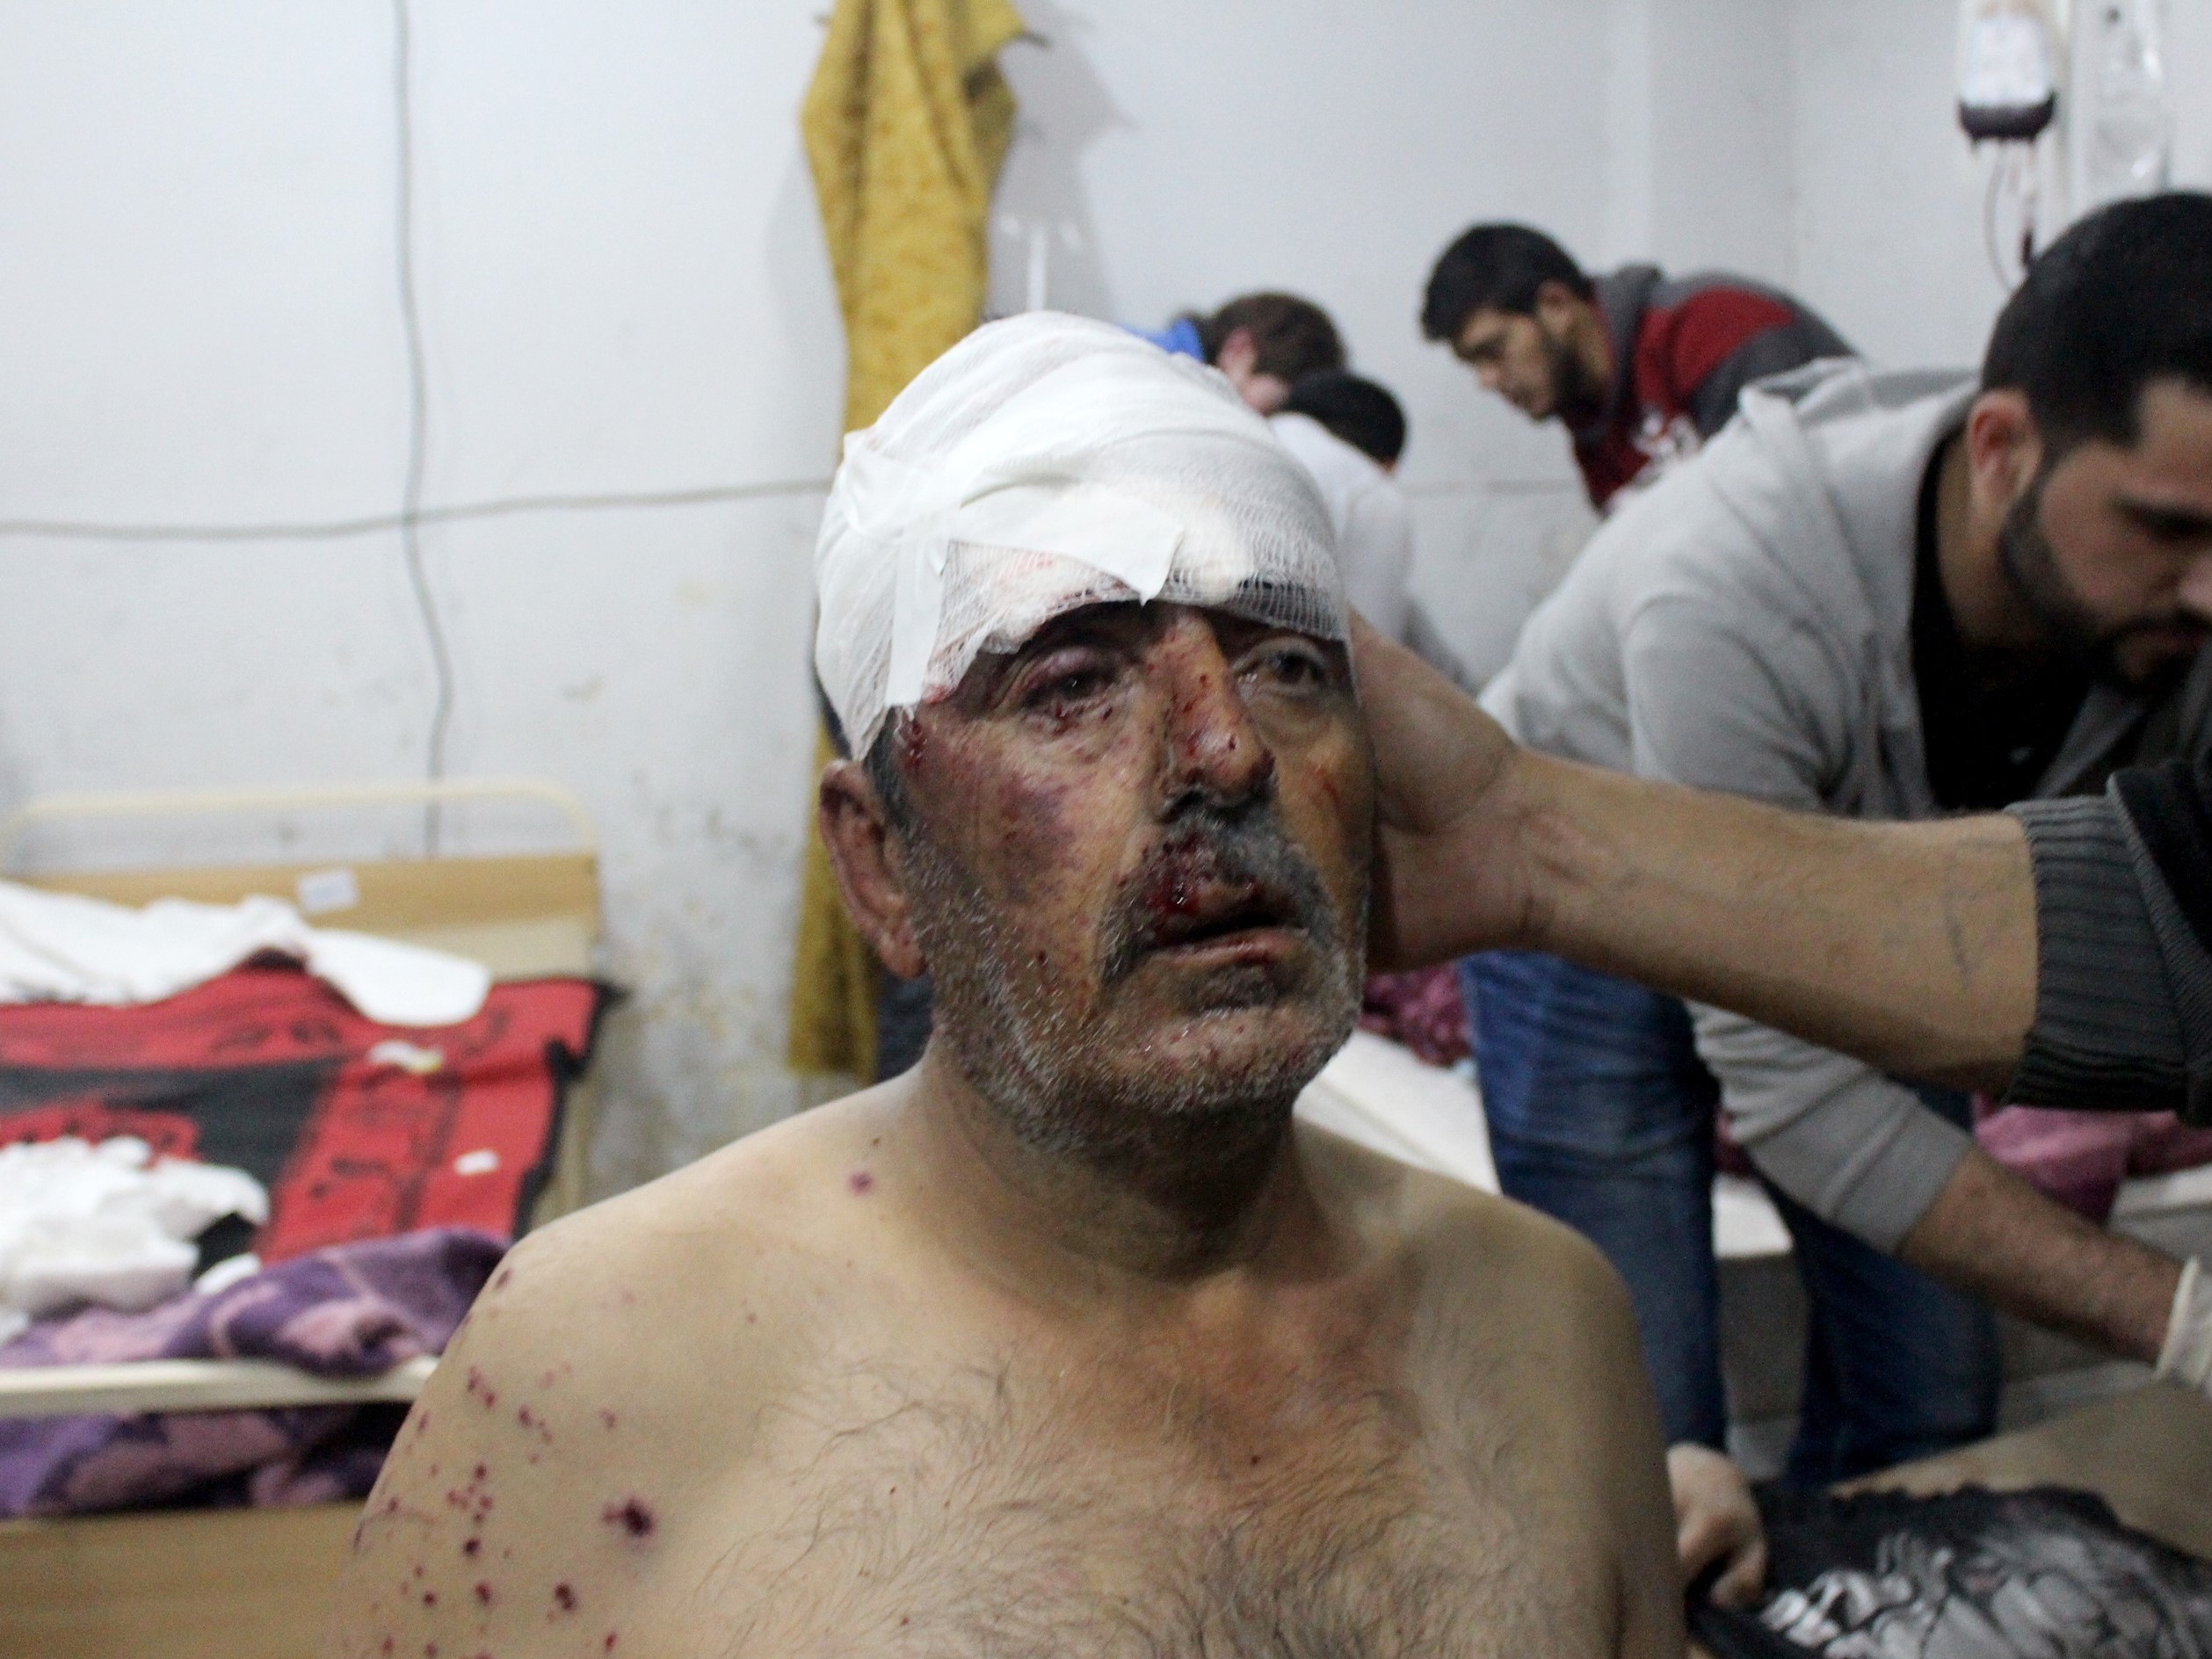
[727, 1239]
[1468, 1244]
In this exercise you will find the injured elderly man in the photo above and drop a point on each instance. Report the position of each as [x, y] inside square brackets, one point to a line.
[1069, 1341]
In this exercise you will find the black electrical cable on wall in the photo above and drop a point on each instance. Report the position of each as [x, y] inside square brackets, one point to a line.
[412, 514]
[410, 510]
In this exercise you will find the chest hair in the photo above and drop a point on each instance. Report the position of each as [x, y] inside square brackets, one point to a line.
[986, 1518]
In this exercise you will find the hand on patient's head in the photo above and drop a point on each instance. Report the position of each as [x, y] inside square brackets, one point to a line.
[1451, 872]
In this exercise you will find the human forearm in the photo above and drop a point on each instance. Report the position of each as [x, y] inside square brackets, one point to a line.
[1988, 1233]
[1911, 946]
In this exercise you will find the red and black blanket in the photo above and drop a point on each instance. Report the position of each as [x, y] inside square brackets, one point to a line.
[359, 1130]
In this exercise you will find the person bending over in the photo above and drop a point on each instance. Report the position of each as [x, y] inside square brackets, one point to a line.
[1070, 1340]
[1881, 595]
[1266, 342]
[1349, 431]
[1640, 368]
[2059, 952]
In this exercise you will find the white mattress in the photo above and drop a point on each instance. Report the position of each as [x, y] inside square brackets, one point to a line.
[1378, 1094]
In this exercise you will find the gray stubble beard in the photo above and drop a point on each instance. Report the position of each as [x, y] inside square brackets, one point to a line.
[1052, 1078]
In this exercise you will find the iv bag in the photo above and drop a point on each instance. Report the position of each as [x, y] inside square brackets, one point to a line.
[2127, 146]
[2007, 86]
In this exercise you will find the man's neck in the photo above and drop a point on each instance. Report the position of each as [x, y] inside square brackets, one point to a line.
[2000, 634]
[1594, 347]
[1064, 1225]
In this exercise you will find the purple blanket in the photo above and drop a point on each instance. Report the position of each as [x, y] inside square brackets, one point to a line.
[350, 1310]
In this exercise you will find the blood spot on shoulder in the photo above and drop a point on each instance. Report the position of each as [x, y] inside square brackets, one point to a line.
[483, 1593]
[632, 1516]
[473, 1548]
[861, 1182]
[564, 1597]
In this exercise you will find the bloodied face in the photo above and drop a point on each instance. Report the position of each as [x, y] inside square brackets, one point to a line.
[1136, 852]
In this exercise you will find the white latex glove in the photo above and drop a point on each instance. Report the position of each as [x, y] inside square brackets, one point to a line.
[1716, 1520]
[2187, 1357]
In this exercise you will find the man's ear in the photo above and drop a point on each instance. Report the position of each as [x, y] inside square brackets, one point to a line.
[2004, 448]
[1558, 307]
[1239, 354]
[864, 856]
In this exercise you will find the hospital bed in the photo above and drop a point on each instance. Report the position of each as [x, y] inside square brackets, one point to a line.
[256, 1583]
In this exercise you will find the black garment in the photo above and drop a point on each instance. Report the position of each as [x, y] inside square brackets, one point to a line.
[1970, 1574]
[1988, 744]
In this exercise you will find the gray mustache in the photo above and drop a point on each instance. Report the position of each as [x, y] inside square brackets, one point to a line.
[1244, 847]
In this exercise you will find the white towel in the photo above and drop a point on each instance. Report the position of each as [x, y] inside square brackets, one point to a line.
[65, 948]
[109, 1224]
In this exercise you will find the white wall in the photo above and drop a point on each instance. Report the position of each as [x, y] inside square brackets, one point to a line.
[1888, 238]
[622, 291]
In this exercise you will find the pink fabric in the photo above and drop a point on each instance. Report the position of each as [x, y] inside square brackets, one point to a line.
[1421, 1010]
[2080, 1158]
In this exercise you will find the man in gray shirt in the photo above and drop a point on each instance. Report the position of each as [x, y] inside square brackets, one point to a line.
[1890, 597]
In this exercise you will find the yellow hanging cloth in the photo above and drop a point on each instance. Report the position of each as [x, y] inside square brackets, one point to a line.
[906, 124]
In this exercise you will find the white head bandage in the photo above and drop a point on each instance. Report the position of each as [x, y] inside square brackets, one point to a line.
[1043, 464]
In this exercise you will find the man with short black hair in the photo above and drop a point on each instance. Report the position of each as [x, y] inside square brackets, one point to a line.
[1348, 431]
[1358, 410]
[1266, 342]
[1641, 369]
[1883, 596]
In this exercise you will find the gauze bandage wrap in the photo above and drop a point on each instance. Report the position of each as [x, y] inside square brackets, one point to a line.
[1046, 463]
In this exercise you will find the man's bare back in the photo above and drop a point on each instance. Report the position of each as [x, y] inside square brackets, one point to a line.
[763, 1407]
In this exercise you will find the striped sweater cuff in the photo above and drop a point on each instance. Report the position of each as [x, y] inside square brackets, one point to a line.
[2106, 1034]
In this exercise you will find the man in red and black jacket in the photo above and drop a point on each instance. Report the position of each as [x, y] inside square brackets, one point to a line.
[1641, 367]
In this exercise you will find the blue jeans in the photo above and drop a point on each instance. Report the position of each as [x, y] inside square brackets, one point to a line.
[1601, 1116]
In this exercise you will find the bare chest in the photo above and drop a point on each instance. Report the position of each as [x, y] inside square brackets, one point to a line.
[989, 1517]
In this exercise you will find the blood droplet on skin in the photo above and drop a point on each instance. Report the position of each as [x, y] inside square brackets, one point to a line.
[473, 1548]
[484, 1594]
[632, 1516]
[861, 1183]
[565, 1596]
